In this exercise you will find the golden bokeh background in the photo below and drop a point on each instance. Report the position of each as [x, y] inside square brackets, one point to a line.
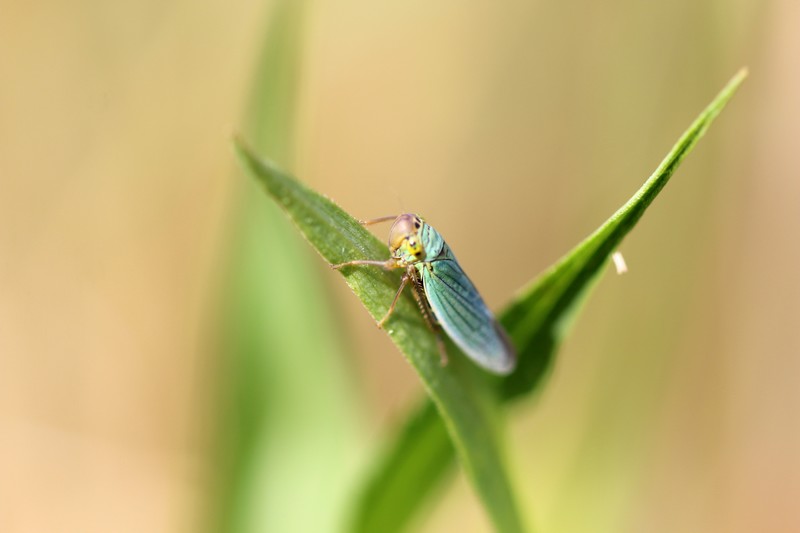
[515, 128]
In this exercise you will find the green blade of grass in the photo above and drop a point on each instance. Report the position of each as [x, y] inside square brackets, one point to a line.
[465, 403]
[388, 503]
[285, 438]
[537, 321]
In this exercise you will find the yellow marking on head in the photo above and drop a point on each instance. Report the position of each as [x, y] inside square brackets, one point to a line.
[413, 245]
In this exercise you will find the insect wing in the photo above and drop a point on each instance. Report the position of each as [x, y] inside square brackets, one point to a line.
[463, 314]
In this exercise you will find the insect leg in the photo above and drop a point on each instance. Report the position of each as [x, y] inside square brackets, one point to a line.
[377, 220]
[430, 320]
[389, 264]
[394, 302]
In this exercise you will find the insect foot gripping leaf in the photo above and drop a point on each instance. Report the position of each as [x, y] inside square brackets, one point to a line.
[447, 298]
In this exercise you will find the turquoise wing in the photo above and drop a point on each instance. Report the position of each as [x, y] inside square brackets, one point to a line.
[464, 316]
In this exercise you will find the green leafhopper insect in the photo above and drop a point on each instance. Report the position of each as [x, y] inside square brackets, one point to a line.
[447, 298]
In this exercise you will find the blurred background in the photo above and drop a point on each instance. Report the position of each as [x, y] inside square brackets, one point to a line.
[173, 357]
